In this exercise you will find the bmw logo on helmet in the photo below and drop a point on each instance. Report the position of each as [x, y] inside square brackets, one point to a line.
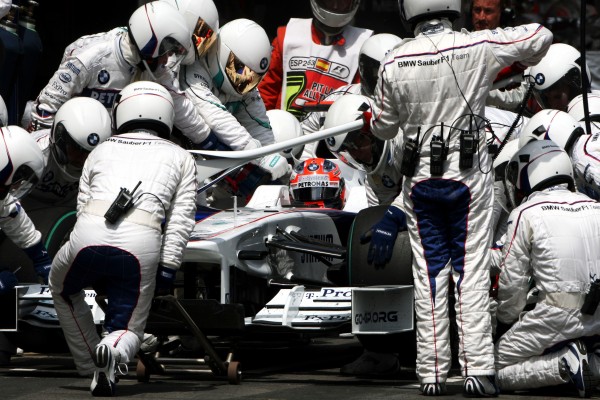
[103, 76]
[540, 79]
[313, 166]
[264, 63]
[330, 141]
[93, 139]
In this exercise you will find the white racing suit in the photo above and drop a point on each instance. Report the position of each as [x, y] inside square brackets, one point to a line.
[240, 122]
[123, 258]
[585, 156]
[99, 66]
[435, 78]
[554, 238]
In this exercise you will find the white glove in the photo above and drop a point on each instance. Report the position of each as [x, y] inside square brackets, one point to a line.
[276, 165]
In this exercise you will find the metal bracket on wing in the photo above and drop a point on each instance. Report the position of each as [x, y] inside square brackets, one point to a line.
[229, 161]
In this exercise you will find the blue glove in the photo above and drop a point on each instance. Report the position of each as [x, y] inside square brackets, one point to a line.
[41, 260]
[165, 277]
[212, 143]
[8, 281]
[383, 236]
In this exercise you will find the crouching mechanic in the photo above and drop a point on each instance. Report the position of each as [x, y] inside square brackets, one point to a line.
[133, 247]
[542, 348]
[21, 165]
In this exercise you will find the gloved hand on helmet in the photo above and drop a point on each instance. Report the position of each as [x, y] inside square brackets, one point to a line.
[276, 165]
[383, 236]
[41, 260]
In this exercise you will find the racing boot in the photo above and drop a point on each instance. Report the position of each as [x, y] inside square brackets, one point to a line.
[433, 389]
[481, 386]
[106, 359]
[575, 362]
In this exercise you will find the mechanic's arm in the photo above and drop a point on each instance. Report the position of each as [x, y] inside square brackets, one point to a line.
[18, 227]
[58, 90]
[385, 121]
[219, 120]
[515, 269]
[383, 236]
[179, 220]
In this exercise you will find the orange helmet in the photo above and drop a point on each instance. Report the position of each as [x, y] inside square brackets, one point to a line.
[317, 182]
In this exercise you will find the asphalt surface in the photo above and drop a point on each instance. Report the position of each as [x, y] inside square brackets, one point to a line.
[299, 372]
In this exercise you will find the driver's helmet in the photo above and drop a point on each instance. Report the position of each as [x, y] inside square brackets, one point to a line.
[240, 58]
[161, 36]
[80, 124]
[21, 163]
[359, 149]
[317, 182]
[370, 56]
[536, 166]
[557, 77]
[202, 19]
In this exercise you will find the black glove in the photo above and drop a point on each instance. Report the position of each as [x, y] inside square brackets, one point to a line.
[8, 281]
[165, 277]
[41, 260]
[212, 142]
[383, 236]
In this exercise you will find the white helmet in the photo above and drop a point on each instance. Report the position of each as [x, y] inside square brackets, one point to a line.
[240, 58]
[575, 107]
[21, 162]
[334, 14]
[3, 113]
[536, 166]
[144, 105]
[285, 127]
[371, 53]
[202, 20]
[160, 34]
[554, 125]
[80, 124]
[359, 149]
[557, 77]
[415, 11]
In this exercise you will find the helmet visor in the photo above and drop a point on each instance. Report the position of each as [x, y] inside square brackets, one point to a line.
[368, 69]
[561, 92]
[170, 53]
[24, 179]
[242, 78]
[515, 196]
[360, 150]
[203, 37]
[338, 6]
[307, 194]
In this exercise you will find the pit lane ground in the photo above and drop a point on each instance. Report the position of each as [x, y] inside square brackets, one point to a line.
[288, 373]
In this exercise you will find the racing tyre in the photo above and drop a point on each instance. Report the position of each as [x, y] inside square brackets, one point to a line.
[397, 272]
